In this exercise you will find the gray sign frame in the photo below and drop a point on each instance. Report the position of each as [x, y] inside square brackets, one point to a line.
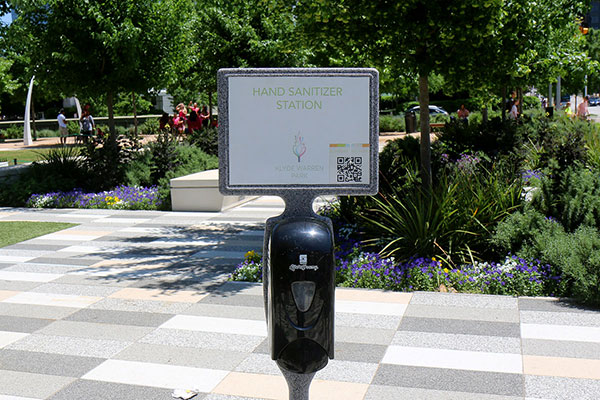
[311, 190]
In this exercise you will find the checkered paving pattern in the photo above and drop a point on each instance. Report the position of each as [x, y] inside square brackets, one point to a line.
[133, 304]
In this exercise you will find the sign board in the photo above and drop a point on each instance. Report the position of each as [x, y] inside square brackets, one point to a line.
[298, 129]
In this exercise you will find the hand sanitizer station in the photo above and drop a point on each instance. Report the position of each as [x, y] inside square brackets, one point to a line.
[299, 134]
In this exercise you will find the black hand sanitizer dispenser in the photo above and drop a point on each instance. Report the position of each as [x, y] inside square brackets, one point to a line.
[301, 294]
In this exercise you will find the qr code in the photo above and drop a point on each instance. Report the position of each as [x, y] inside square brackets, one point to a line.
[349, 169]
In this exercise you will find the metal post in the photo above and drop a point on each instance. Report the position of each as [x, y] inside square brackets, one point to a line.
[585, 87]
[550, 94]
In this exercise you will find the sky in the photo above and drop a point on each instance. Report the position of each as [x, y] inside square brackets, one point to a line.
[5, 18]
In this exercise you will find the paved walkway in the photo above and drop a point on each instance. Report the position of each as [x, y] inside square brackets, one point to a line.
[133, 304]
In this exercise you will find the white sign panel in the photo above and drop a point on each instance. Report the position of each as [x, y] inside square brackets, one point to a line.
[299, 130]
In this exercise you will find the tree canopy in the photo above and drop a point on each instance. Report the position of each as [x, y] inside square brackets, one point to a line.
[477, 45]
[98, 46]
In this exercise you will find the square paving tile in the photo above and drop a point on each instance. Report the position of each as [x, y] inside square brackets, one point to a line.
[72, 346]
[93, 330]
[120, 317]
[547, 387]
[207, 340]
[88, 389]
[46, 363]
[485, 328]
[22, 324]
[156, 375]
[183, 356]
[37, 386]
[450, 380]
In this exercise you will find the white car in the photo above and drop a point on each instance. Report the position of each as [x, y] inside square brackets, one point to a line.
[432, 110]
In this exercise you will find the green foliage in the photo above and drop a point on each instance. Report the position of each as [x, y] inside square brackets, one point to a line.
[13, 132]
[531, 102]
[149, 127]
[124, 104]
[592, 144]
[391, 123]
[451, 222]
[236, 33]
[106, 160]
[572, 197]
[100, 47]
[493, 137]
[164, 155]
[164, 160]
[207, 140]
[47, 133]
[387, 102]
[575, 255]
[60, 169]
[7, 84]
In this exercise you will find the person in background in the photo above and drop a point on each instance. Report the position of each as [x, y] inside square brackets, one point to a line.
[163, 121]
[582, 109]
[87, 124]
[463, 114]
[62, 126]
[194, 120]
[205, 116]
[568, 110]
[514, 111]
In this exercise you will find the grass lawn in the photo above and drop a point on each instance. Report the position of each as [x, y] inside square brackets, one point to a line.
[24, 156]
[17, 231]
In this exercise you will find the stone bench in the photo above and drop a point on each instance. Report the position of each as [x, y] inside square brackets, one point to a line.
[200, 192]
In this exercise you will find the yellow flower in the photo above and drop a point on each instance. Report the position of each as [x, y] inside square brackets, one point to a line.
[111, 200]
[446, 270]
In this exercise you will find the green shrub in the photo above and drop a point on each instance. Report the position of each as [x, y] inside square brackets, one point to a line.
[106, 160]
[575, 256]
[62, 169]
[387, 102]
[44, 133]
[493, 137]
[572, 197]
[13, 132]
[391, 123]
[165, 159]
[206, 139]
[592, 144]
[530, 102]
[73, 128]
[149, 127]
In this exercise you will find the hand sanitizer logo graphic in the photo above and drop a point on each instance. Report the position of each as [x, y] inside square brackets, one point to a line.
[299, 147]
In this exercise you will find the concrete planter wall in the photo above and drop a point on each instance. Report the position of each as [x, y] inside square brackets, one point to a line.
[200, 192]
[12, 172]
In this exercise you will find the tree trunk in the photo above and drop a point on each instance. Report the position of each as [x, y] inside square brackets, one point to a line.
[425, 129]
[210, 119]
[503, 103]
[520, 97]
[484, 113]
[135, 121]
[33, 120]
[111, 116]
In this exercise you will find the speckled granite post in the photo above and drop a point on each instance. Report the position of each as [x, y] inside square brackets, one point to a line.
[298, 197]
[298, 384]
